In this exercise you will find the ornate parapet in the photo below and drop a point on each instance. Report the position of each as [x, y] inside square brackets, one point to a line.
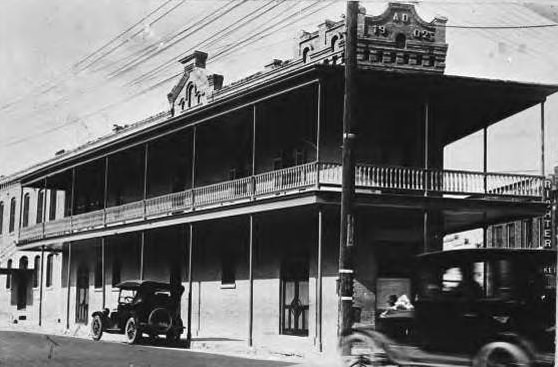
[398, 39]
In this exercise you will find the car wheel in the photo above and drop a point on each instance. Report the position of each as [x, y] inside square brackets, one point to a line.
[501, 354]
[362, 349]
[131, 331]
[96, 327]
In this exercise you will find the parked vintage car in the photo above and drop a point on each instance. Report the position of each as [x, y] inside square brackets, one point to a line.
[480, 307]
[144, 307]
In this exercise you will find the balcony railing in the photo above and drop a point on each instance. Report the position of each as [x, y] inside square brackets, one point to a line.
[310, 176]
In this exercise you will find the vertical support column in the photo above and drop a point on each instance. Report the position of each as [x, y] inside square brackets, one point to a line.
[542, 138]
[254, 152]
[347, 228]
[485, 181]
[319, 283]
[103, 272]
[72, 194]
[194, 133]
[43, 219]
[145, 160]
[318, 132]
[142, 257]
[68, 283]
[20, 210]
[105, 193]
[425, 224]
[251, 281]
[41, 285]
[189, 318]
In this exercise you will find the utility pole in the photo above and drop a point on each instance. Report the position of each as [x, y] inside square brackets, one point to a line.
[347, 230]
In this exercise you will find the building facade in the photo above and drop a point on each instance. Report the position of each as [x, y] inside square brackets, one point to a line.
[235, 191]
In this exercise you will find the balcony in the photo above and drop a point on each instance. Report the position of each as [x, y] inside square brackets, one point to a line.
[292, 180]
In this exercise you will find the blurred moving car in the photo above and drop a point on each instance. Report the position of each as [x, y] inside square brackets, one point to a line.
[483, 307]
[144, 307]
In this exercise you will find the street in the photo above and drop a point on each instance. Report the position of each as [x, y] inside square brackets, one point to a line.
[23, 349]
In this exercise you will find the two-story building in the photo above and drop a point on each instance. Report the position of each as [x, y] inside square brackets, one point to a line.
[235, 192]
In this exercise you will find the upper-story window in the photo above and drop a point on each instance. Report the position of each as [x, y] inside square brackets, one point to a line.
[25, 219]
[1, 216]
[40, 206]
[52, 208]
[12, 215]
[190, 93]
[305, 54]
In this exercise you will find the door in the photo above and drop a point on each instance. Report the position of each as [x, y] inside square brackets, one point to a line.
[22, 284]
[82, 295]
[294, 297]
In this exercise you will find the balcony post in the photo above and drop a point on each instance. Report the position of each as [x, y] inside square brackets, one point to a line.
[103, 270]
[425, 223]
[485, 158]
[194, 130]
[43, 219]
[72, 192]
[41, 285]
[251, 281]
[319, 283]
[318, 134]
[253, 180]
[142, 258]
[105, 193]
[189, 316]
[145, 160]
[68, 274]
[542, 137]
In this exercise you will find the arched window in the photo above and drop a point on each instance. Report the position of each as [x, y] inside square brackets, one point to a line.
[400, 41]
[190, 95]
[25, 219]
[9, 275]
[305, 54]
[36, 269]
[1, 216]
[23, 263]
[49, 264]
[40, 206]
[334, 41]
[12, 215]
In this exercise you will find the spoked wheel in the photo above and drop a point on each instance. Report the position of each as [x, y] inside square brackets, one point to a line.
[96, 327]
[363, 349]
[131, 331]
[502, 354]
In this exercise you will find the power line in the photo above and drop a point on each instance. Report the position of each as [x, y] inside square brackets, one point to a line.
[527, 26]
[230, 29]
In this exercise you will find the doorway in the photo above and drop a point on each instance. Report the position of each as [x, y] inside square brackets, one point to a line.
[22, 284]
[82, 295]
[294, 297]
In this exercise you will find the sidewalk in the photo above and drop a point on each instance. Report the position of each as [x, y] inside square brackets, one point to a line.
[274, 351]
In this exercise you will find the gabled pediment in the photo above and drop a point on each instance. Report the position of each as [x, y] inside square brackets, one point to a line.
[195, 86]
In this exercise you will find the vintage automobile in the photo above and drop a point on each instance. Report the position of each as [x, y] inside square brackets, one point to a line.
[144, 307]
[480, 307]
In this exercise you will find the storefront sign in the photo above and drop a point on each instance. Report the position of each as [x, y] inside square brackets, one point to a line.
[547, 218]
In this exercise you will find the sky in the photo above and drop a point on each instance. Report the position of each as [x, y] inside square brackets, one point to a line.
[70, 70]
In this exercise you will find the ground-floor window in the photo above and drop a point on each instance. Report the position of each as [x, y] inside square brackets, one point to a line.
[294, 297]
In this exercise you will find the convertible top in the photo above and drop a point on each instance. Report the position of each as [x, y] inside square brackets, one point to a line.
[136, 284]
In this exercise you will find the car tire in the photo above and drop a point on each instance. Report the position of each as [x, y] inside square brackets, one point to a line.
[96, 327]
[359, 349]
[502, 353]
[131, 331]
